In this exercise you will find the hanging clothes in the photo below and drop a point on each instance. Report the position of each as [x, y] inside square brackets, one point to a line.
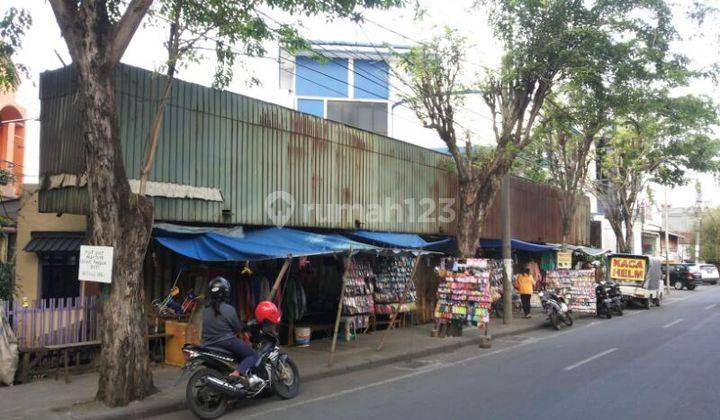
[547, 261]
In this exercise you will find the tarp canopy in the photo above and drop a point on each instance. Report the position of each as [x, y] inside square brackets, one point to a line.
[395, 240]
[262, 244]
[517, 245]
[592, 252]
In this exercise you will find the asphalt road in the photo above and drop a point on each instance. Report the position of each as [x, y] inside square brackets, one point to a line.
[662, 363]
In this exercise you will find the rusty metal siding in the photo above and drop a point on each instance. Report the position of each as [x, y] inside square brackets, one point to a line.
[535, 215]
[247, 149]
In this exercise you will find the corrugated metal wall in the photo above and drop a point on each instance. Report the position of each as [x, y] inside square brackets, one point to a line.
[535, 215]
[248, 149]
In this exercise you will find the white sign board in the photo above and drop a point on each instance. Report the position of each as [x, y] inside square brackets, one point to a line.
[96, 263]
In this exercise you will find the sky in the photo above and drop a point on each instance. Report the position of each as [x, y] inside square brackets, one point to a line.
[44, 49]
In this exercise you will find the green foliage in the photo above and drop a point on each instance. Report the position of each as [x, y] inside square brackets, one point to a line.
[13, 26]
[8, 286]
[710, 236]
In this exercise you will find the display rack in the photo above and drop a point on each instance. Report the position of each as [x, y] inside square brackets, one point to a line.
[578, 284]
[392, 274]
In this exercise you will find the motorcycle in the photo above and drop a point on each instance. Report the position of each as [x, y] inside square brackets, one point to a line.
[615, 294]
[211, 389]
[556, 308]
[608, 299]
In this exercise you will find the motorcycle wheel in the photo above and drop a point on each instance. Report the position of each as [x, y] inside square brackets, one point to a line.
[608, 312]
[691, 287]
[678, 285]
[555, 319]
[657, 301]
[204, 402]
[618, 309]
[646, 304]
[286, 379]
[567, 319]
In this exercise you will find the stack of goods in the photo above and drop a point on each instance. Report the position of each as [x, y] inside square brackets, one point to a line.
[358, 303]
[583, 291]
[578, 284]
[464, 292]
[391, 277]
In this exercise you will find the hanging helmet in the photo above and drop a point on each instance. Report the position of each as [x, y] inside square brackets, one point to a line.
[267, 311]
[219, 288]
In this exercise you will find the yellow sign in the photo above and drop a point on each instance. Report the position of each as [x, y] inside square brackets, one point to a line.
[628, 269]
[564, 260]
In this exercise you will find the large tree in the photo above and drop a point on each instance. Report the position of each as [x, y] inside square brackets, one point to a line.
[658, 139]
[544, 43]
[97, 33]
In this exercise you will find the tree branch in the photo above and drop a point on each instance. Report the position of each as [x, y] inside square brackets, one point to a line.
[66, 16]
[125, 28]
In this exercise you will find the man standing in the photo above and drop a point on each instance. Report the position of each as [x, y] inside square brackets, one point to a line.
[524, 284]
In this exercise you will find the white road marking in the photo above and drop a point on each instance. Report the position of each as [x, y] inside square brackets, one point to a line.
[590, 359]
[710, 306]
[677, 321]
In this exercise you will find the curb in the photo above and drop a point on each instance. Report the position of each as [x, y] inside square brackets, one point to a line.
[172, 402]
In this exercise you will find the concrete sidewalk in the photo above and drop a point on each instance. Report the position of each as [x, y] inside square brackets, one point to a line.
[55, 399]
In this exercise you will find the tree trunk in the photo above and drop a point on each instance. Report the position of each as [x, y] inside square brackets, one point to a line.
[629, 237]
[123, 220]
[468, 228]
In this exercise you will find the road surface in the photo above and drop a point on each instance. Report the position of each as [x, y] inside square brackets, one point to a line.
[662, 363]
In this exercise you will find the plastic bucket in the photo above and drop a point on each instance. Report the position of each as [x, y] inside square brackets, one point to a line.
[302, 336]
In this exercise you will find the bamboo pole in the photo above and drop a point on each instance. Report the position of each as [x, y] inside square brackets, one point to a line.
[348, 267]
[403, 299]
[276, 285]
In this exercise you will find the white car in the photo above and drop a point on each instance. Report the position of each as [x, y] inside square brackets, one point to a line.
[709, 273]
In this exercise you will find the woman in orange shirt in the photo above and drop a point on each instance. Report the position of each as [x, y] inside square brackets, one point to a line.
[524, 284]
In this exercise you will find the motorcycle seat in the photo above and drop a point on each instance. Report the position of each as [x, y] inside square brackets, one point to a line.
[215, 349]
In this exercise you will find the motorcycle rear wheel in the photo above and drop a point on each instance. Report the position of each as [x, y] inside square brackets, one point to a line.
[618, 309]
[567, 320]
[555, 319]
[286, 379]
[201, 400]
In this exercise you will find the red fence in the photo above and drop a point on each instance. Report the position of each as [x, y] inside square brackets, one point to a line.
[52, 321]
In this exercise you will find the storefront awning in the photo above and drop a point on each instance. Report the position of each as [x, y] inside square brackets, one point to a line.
[55, 242]
[262, 244]
[394, 240]
[517, 245]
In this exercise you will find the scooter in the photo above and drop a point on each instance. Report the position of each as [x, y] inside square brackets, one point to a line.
[556, 308]
[211, 389]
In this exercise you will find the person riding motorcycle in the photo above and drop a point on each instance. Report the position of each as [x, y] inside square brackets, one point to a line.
[221, 326]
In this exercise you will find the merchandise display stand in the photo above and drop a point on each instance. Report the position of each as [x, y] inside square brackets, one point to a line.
[464, 295]
[579, 285]
[409, 285]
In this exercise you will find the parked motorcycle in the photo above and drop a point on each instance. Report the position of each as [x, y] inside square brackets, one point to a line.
[608, 298]
[210, 390]
[615, 294]
[556, 307]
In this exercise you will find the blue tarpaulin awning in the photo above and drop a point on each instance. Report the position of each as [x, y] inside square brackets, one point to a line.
[394, 240]
[517, 244]
[262, 244]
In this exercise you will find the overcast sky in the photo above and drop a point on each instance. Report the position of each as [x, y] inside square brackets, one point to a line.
[43, 45]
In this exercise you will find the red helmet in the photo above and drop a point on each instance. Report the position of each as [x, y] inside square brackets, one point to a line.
[267, 311]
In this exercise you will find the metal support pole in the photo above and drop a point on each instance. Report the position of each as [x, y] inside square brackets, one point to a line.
[667, 244]
[506, 250]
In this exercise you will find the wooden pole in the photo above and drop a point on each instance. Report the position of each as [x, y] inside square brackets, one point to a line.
[276, 285]
[403, 299]
[348, 267]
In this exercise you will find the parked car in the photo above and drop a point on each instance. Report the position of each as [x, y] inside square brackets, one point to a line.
[709, 273]
[684, 276]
